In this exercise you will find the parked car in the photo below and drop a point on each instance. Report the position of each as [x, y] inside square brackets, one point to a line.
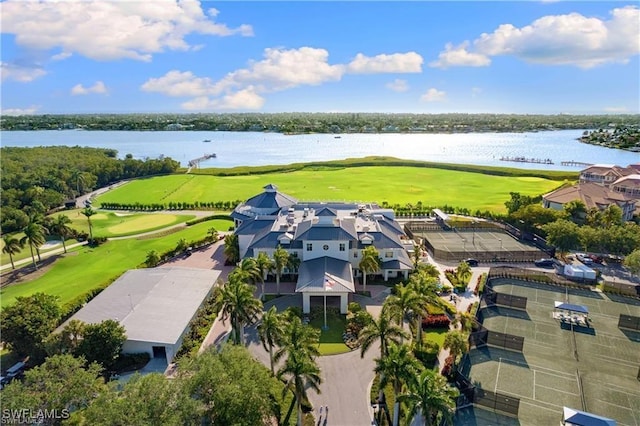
[471, 262]
[544, 263]
[584, 258]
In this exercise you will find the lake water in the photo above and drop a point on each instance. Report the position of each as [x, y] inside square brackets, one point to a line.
[253, 149]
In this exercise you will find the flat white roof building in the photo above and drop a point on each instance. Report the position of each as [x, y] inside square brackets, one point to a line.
[154, 306]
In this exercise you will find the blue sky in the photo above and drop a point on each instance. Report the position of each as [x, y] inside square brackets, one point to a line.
[97, 56]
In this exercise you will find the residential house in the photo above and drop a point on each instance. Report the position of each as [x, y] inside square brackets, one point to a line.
[592, 195]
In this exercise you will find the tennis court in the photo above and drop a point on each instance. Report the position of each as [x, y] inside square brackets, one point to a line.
[593, 369]
[483, 245]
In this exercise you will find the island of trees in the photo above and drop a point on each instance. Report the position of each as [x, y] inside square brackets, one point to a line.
[319, 122]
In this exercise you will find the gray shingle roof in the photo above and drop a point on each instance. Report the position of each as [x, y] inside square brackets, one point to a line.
[325, 274]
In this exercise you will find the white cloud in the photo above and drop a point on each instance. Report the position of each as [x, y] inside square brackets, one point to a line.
[434, 95]
[97, 88]
[279, 69]
[398, 85]
[109, 30]
[409, 62]
[177, 83]
[571, 39]
[20, 73]
[246, 99]
[459, 56]
[21, 111]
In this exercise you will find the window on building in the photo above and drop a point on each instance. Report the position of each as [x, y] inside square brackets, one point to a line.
[388, 254]
[325, 247]
[309, 247]
[355, 255]
[342, 247]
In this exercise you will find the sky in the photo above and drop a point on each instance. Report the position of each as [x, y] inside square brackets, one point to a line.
[189, 56]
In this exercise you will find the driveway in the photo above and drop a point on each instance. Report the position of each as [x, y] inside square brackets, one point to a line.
[345, 378]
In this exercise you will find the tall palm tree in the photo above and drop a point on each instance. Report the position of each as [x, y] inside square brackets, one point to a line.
[456, 342]
[404, 303]
[369, 264]
[270, 331]
[429, 270]
[60, 226]
[300, 373]
[299, 337]
[425, 285]
[430, 396]
[463, 273]
[466, 321]
[34, 235]
[280, 260]
[397, 367]
[77, 176]
[236, 301]
[88, 212]
[11, 246]
[265, 264]
[383, 330]
[417, 255]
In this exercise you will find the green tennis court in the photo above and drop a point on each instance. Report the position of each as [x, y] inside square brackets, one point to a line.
[593, 369]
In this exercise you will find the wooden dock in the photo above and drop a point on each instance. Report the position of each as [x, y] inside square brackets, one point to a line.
[195, 163]
[527, 160]
[576, 163]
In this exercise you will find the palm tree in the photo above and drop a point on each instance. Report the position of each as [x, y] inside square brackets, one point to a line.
[280, 260]
[404, 303]
[299, 337]
[271, 331]
[59, 226]
[463, 273]
[397, 367]
[384, 330]
[34, 235]
[88, 212]
[78, 177]
[429, 270]
[456, 342]
[369, 264]
[11, 246]
[430, 396]
[417, 255]
[72, 334]
[249, 268]
[231, 248]
[466, 321]
[301, 373]
[426, 286]
[236, 301]
[265, 264]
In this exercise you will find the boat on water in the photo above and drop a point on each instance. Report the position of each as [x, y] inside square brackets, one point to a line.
[207, 140]
[337, 137]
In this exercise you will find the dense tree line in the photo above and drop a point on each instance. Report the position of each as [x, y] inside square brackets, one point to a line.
[575, 227]
[36, 180]
[317, 122]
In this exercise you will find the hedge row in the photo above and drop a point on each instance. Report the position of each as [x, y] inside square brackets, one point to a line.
[179, 205]
[208, 218]
[436, 321]
[198, 329]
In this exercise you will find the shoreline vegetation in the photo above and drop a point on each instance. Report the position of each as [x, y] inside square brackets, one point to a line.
[620, 137]
[305, 123]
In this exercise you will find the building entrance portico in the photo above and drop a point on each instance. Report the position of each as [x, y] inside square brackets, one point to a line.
[325, 277]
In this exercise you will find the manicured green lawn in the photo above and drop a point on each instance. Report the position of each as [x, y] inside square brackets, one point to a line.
[77, 273]
[110, 224]
[435, 335]
[331, 342]
[376, 184]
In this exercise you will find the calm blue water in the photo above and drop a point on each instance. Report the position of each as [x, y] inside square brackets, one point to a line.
[252, 149]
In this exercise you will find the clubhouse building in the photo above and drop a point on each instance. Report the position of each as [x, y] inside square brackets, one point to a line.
[327, 238]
